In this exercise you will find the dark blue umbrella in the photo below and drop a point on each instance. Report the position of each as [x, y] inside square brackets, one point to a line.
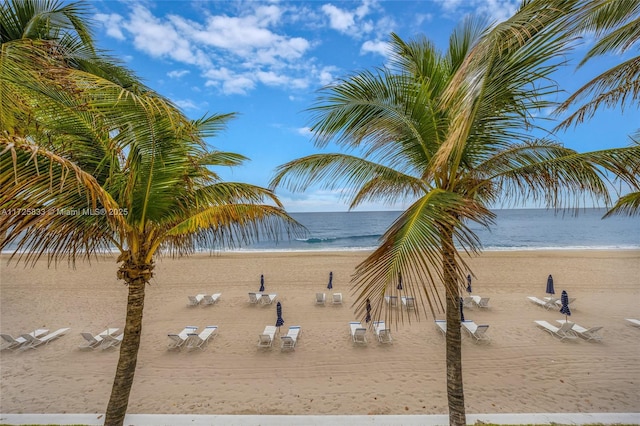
[461, 310]
[469, 283]
[564, 300]
[550, 289]
[261, 283]
[330, 286]
[399, 281]
[279, 321]
[368, 317]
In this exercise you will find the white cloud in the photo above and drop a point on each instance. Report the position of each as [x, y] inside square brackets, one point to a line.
[496, 10]
[178, 73]
[186, 104]
[351, 22]
[379, 47]
[250, 45]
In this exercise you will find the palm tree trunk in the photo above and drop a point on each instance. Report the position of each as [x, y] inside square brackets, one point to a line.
[119, 400]
[455, 391]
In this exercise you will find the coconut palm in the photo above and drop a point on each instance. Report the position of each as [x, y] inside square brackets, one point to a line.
[449, 133]
[615, 25]
[89, 164]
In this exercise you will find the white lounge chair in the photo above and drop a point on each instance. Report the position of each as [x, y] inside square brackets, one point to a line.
[268, 299]
[634, 322]
[210, 300]
[558, 302]
[265, 340]
[254, 298]
[586, 333]
[564, 332]
[408, 302]
[110, 341]
[11, 343]
[33, 342]
[358, 332]
[479, 332]
[177, 340]
[480, 302]
[289, 340]
[320, 298]
[543, 303]
[442, 326]
[200, 340]
[92, 342]
[392, 301]
[468, 302]
[382, 332]
[337, 298]
[195, 300]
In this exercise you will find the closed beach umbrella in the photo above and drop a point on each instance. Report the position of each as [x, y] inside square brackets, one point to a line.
[368, 317]
[399, 281]
[461, 310]
[564, 300]
[469, 283]
[261, 283]
[550, 289]
[279, 321]
[330, 286]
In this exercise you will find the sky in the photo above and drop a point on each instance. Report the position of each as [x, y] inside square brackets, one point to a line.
[266, 60]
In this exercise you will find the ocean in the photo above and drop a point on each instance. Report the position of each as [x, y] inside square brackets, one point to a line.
[514, 229]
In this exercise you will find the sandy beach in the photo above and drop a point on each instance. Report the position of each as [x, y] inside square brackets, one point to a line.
[522, 370]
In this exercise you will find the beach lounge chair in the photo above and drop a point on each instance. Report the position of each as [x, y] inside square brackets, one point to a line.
[110, 341]
[195, 300]
[586, 333]
[408, 302]
[268, 299]
[634, 322]
[358, 332]
[480, 302]
[33, 342]
[210, 300]
[392, 301]
[382, 332]
[564, 332]
[92, 342]
[558, 302]
[479, 332]
[543, 303]
[200, 340]
[177, 340]
[254, 298]
[468, 302]
[289, 340]
[337, 298]
[11, 343]
[265, 340]
[442, 326]
[320, 298]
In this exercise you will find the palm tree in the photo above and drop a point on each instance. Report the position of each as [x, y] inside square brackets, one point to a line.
[615, 25]
[449, 133]
[89, 163]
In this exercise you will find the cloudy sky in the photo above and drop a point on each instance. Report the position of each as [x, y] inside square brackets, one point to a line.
[265, 60]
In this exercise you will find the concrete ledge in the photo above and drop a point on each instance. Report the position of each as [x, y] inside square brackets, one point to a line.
[267, 420]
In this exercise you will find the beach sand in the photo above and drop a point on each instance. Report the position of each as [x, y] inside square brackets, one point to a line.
[522, 370]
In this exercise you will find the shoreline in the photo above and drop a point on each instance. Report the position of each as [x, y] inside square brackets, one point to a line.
[522, 370]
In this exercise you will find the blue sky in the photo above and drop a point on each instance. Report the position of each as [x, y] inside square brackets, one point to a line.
[265, 60]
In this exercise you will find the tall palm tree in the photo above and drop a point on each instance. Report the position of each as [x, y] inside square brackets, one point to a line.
[615, 25]
[89, 163]
[449, 133]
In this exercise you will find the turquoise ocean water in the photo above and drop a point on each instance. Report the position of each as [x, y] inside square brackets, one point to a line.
[515, 229]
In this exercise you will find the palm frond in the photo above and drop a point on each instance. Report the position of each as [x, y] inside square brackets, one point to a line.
[228, 225]
[627, 205]
[51, 206]
[412, 248]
